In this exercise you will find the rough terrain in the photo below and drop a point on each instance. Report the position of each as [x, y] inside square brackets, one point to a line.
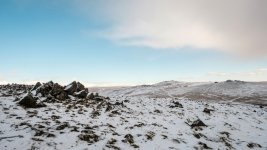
[51, 116]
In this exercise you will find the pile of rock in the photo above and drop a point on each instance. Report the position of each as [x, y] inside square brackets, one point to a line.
[53, 92]
[59, 92]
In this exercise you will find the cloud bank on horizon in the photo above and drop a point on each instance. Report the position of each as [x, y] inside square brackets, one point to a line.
[233, 27]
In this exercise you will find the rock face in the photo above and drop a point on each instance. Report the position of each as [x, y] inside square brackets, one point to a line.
[80, 87]
[71, 88]
[57, 89]
[45, 88]
[198, 123]
[58, 92]
[81, 94]
[76, 89]
[38, 84]
[28, 101]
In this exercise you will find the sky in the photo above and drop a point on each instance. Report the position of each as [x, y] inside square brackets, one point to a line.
[131, 42]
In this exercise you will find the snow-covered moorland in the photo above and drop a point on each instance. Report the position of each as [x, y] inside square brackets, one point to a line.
[168, 115]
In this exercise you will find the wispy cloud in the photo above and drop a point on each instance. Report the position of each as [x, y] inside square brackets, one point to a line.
[237, 27]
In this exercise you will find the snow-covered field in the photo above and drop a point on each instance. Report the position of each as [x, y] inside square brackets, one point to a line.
[142, 117]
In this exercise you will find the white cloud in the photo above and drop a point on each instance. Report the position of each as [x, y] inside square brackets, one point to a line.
[232, 26]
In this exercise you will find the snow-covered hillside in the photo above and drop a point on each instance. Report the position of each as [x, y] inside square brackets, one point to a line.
[228, 91]
[131, 118]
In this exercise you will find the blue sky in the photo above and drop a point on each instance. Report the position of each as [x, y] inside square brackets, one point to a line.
[98, 44]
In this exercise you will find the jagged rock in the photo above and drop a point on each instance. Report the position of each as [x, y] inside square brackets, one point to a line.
[62, 96]
[38, 132]
[90, 138]
[91, 96]
[37, 85]
[150, 135]
[109, 107]
[112, 141]
[176, 104]
[80, 87]
[57, 89]
[198, 123]
[252, 145]
[206, 110]
[58, 92]
[71, 88]
[81, 94]
[28, 101]
[204, 145]
[45, 88]
[62, 126]
[128, 138]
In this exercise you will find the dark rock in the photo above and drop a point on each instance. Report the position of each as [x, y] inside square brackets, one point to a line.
[62, 96]
[45, 88]
[62, 126]
[54, 117]
[90, 138]
[38, 132]
[39, 126]
[176, 104]
[126, 101]
[204, 145]
[37, 139]
[74, 129]
[81, 94]
[57, 89]
[198, 123]
[80, 87]
[112, 147]
[91, 96]
[51, 135]
[135, 146]
[157, 111]
[112, 141]
[71, 88]
[95, 113]
[206, 110]
[199, 135]
[37, 85]
[119, 103]
[98, 98]
[150, 135]
[109, 107]
[28, 101]
[252, 145]
[128, 138]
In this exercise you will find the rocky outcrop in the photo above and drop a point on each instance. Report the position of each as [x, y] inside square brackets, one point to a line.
[53, 91]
